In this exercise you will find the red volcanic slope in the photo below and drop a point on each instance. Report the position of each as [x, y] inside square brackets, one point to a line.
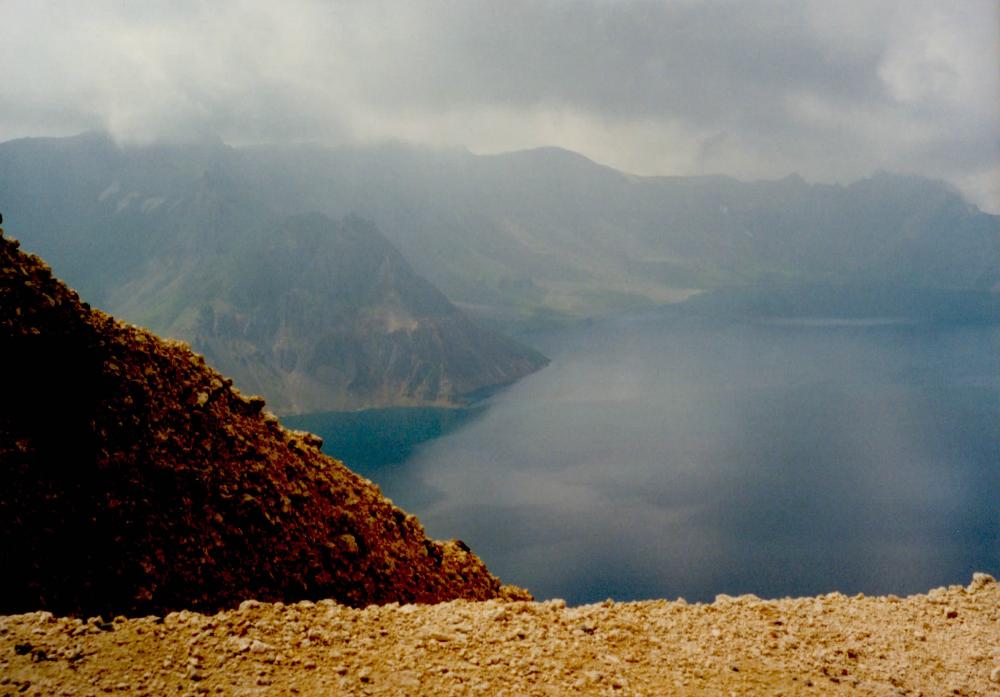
[137, 480]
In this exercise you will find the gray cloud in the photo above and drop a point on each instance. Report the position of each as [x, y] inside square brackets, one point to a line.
[747, 87]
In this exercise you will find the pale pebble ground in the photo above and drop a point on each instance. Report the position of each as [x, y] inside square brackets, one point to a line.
[946, 642]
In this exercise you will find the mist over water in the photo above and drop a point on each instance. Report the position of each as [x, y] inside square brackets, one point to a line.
[659, 456]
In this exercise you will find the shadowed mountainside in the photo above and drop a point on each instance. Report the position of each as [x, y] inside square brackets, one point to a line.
[517, 239]
[136, 479]
[323, 315]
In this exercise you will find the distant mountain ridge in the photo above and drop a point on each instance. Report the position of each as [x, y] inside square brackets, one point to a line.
[533, 237]
[314, 314]
[548, 232]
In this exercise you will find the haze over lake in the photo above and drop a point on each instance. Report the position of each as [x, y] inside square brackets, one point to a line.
[660, 456]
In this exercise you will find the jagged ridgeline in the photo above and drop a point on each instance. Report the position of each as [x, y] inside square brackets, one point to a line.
[518, 241]
[137, 480]
[316, 313]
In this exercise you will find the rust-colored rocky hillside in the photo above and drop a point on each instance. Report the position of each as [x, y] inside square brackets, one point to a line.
[136, 479]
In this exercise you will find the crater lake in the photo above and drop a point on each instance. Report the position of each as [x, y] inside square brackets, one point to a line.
[662, 455]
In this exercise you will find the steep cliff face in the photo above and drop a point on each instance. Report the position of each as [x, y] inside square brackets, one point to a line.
[320, 314]
[136, 479]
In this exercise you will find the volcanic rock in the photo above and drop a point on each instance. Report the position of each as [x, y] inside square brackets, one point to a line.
[137, 480]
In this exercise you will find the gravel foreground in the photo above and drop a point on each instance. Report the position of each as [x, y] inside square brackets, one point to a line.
[944, 642]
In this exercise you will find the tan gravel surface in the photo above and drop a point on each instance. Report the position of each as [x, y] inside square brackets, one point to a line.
[942, 643]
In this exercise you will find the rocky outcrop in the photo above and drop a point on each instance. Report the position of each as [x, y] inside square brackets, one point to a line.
[137, 480]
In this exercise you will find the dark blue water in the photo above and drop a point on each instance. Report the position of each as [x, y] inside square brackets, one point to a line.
[663, 457]
[376, 443]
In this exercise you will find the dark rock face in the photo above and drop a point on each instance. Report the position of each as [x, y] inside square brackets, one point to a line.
[137, 480]
[325, 315]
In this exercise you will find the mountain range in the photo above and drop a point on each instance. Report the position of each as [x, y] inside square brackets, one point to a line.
[527, 237]
[314, 313]
[229, 249]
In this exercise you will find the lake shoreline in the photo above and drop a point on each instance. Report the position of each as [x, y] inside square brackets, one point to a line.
[756, 455]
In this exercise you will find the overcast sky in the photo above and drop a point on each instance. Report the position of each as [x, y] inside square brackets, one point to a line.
[832, 89]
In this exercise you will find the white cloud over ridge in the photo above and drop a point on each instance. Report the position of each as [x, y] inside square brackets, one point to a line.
[749, 88]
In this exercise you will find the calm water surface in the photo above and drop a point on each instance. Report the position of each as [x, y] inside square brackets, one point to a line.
[660, 457]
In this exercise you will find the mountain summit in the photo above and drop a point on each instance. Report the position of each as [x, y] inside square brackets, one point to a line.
[137, 480]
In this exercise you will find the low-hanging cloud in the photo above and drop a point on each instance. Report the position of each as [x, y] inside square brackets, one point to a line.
[750, 88]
